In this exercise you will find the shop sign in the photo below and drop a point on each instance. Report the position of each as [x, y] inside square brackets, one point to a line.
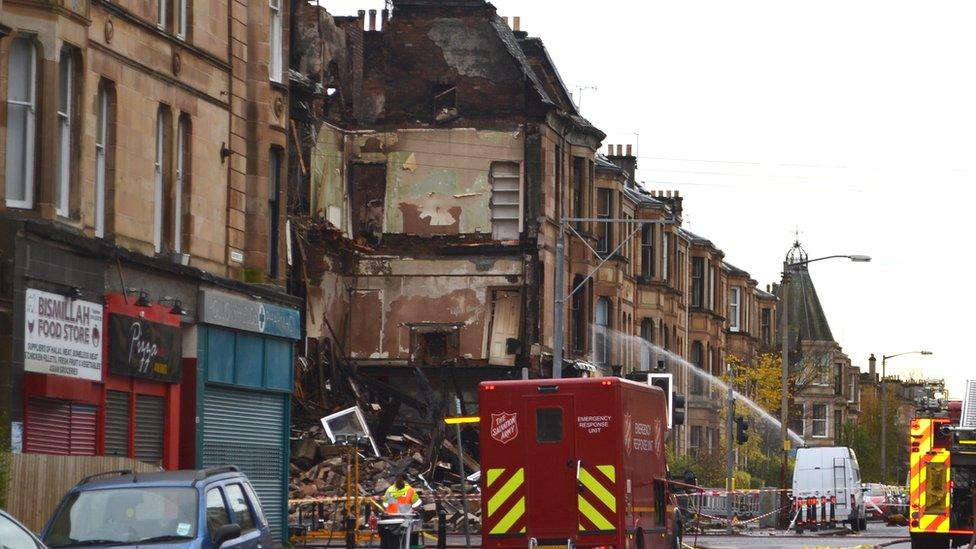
[144, 349]
[222, 309]
[62, 336]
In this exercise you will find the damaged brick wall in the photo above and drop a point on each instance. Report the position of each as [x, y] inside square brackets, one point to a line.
[395, 297]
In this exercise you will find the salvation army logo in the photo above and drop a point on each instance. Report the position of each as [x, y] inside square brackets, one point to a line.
[658, 436]
[628, 433]
[504, 427]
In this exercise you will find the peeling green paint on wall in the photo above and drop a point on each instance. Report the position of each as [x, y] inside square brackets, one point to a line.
[443, 177]
[328, 192]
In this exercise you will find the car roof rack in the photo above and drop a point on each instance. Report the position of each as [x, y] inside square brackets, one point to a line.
[204, 473]
[119, 472]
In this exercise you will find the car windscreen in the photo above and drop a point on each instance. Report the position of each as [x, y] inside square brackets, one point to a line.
[129, 515]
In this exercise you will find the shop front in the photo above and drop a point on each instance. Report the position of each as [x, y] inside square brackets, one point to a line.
[244, 378]
[141, 412]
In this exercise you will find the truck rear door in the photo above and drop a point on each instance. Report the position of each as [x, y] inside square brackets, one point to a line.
[551, 467]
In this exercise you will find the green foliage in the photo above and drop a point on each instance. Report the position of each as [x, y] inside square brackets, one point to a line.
[864, 437]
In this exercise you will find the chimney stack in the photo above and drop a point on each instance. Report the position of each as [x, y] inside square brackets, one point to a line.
[372, 20]
[385, 16]
[669, 194]
[361, 15]
[872, 367]
[620, 150]
[629, 153]
[505, 20]
[516, 23]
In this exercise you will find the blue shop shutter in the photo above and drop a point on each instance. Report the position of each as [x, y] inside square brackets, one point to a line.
[247, 429]
[278, 364]
[220, 355]
[249, 359]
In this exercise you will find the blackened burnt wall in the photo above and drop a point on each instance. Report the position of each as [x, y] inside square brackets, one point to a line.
[429, 48]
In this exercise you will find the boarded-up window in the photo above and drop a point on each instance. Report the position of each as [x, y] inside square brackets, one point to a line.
[505, 326]
[505, 200]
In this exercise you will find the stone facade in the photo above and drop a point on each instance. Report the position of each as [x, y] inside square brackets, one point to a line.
[204, 74]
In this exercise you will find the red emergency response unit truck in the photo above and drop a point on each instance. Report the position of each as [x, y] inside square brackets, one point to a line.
[574, 463]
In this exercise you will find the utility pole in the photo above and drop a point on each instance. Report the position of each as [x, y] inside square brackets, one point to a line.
[884, 411]
[633, 226]
[464, 478]
[729, 457]
[784, 413]
[560, 310]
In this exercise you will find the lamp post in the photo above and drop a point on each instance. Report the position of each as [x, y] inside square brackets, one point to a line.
[784, 334]
[884, 411]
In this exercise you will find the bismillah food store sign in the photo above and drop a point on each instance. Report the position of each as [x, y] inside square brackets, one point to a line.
[62, 336]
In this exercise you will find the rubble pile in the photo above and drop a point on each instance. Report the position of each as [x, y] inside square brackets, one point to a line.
[319, 472]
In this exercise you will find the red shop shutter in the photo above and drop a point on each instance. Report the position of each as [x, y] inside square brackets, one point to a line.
[48, 426]
[59, 427]
[84, 429]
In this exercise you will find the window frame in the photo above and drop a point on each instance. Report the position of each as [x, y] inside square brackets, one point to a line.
[800, 419]
[66, 121]
[180, 181]
[247, 506]
[181, 12]
[101, 158]
[602, 346]
[735, 306]
[159, 181]
[647, 251]
[206, 509]
[604, 210]
[162, 13]
[275, 42]
[500, 172]
[697, 281]
[559, 412]
[30, 127]
[825, 420]
[275, 165]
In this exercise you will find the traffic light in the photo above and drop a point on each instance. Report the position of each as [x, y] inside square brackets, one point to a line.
[677, 409]
[666, 383]
[741, 426]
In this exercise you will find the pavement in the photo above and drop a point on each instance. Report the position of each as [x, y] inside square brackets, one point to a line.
[877, 534]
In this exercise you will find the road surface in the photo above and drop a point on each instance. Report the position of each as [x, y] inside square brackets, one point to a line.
[876, 533]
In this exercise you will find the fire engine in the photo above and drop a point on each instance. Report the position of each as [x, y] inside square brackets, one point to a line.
[942, 476]
[574, 463]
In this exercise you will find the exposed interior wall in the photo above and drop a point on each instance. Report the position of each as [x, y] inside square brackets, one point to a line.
[437, 181]
[394, 298]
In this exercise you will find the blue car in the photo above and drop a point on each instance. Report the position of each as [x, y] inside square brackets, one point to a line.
[209, 509]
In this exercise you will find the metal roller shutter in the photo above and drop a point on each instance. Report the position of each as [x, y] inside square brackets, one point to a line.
[60, 427]
[247, 429]
[150, 411]
[117, 423]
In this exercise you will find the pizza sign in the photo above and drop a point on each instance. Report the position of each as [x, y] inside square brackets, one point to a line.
[504, 427]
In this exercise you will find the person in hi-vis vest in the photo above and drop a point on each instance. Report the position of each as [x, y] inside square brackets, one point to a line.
[401, 498]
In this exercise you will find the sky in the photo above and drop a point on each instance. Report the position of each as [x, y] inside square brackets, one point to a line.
[850, 121]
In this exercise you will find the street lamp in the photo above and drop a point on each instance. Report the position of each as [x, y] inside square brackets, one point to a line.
[884, 410]
[784, 334]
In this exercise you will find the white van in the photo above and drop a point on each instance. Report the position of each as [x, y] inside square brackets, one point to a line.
[831, 471]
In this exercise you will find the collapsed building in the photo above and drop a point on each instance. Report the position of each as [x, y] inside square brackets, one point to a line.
[435, 150]
[428, 160]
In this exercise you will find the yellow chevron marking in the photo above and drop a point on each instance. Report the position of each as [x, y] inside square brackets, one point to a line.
[505, 491]
[509, 519]
[593, 515]
[594, 486]
[608, 470]
[493, 475]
